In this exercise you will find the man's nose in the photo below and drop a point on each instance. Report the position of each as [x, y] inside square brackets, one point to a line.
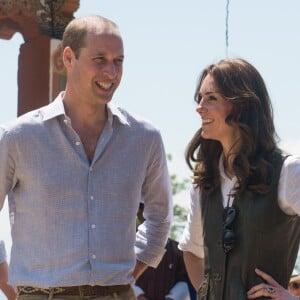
[110, 70]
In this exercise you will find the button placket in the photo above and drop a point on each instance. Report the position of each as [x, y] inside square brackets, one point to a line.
[91, 203]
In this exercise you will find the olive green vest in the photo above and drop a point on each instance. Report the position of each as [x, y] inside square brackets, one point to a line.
[267, 239]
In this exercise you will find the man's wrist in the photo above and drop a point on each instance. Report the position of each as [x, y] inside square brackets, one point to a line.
[2, 252]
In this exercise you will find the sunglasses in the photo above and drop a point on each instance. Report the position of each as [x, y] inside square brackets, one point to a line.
[229, 236]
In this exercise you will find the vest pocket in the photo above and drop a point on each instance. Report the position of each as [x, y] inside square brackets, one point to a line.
[203, 290]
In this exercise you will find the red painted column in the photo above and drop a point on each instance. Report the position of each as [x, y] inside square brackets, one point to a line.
[39, 77]
[33, 74]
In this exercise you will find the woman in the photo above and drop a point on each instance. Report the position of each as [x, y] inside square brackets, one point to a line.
[243, 231]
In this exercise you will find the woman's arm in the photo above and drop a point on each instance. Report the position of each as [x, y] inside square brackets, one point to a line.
[195, 268]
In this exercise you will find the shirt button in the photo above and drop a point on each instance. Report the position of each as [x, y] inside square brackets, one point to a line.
[93, 256]
[93, 226]
[77, 143]
[92, 197]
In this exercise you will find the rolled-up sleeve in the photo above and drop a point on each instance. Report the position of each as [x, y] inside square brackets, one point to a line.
[192, 238]
[289, 188]
[3, 256]
[152, 235]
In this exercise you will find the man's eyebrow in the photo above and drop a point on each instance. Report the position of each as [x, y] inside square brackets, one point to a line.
[101, 53]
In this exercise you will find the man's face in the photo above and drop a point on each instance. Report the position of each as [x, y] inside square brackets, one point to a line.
[97, 71]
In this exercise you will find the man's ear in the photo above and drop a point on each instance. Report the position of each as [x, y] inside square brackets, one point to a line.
[68, 57]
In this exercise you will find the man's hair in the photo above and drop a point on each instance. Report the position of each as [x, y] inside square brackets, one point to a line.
[76, 31]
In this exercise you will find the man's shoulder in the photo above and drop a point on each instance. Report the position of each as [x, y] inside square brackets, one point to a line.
[24, 122]
[138, 122]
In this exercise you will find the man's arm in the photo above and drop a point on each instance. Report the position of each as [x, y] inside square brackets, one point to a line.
[195, 268]
[139, 269]
[156, 195]
[7, 289]
[6, 179]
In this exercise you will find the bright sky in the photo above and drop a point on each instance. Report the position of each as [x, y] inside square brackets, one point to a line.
[168, 43]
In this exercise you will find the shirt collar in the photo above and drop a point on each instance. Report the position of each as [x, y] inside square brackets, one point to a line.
[116, 111]
[56, 108]
[222, 171]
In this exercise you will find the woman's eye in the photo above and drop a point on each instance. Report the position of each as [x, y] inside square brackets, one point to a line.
[212, 98]
[198, 99]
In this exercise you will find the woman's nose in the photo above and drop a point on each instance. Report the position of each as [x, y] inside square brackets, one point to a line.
[200, 107]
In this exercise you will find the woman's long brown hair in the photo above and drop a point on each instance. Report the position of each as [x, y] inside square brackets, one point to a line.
[242, 85]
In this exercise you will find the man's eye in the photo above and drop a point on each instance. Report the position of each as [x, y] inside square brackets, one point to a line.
[98, 59]
[119, 61]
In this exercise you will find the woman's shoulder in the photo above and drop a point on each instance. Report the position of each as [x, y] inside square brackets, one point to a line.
[292, 163]
[289, 188]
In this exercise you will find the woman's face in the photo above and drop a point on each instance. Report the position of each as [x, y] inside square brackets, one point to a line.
[214, 109]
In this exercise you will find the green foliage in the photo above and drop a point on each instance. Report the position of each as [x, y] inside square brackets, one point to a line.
[177, 185]
[180, 213]
[180, 217]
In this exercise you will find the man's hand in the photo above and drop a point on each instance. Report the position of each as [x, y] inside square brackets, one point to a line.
[142, 297]
[6, 288]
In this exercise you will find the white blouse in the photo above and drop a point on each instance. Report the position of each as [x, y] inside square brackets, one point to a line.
[288, 200]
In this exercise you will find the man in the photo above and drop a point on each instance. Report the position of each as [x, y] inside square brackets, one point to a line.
[75, 172]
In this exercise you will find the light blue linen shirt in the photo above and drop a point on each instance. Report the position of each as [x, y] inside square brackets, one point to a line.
[74, 222]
